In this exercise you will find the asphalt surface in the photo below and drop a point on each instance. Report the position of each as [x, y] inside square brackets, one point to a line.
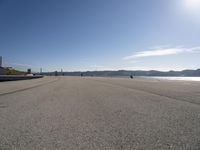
[76, 113]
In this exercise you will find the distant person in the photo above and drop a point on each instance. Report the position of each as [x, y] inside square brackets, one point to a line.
[81, 75]
[131, 76]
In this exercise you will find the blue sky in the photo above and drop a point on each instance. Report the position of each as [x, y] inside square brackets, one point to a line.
[100, 34]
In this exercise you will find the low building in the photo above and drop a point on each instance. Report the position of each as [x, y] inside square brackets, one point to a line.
[3, 71]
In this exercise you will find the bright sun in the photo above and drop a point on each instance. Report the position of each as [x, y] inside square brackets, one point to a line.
[192, 5]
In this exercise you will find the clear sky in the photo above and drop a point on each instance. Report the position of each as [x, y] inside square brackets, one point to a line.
[100, 34]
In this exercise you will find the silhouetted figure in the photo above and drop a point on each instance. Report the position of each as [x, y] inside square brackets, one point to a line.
[131, 76]
[81, 75]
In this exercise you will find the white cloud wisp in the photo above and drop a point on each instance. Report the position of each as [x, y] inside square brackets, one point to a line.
[162, 52]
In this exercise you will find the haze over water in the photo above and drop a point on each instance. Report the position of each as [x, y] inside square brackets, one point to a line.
[177, 78]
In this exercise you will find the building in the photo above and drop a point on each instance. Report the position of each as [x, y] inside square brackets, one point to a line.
[3, 71]
[1, 61]
[29, 71]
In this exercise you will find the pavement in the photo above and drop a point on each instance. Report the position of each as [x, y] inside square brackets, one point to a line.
[90, 113]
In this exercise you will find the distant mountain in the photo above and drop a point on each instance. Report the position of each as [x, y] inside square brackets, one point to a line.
[122, 73]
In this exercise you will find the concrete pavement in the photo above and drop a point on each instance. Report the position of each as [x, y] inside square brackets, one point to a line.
[99, 113]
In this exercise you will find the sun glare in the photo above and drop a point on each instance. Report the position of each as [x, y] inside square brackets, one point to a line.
[192, 6]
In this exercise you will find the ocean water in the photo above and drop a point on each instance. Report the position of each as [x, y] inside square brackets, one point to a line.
[177, 78]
